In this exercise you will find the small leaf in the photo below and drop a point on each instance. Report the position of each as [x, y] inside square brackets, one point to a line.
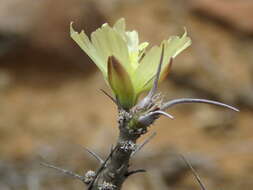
[120, 83]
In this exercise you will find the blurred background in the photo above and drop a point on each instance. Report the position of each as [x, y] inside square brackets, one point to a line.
[51, 106]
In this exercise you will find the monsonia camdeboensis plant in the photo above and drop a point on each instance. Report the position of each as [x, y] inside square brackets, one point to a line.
[130, 68]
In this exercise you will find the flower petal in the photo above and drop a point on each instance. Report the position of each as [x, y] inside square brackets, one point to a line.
[83, 41]
[131, 37]
[146, 70]
[120, 83]
[148, 66]
[108, 42]
[176, 45]
[132, 40]
[120, 26]
[105, 41]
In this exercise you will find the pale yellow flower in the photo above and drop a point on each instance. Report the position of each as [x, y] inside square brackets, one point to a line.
[126, 64]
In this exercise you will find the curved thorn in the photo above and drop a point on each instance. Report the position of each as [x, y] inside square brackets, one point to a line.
[197, 177]
[143, 144]
[163, 113]
[192, 100]
[97, 157]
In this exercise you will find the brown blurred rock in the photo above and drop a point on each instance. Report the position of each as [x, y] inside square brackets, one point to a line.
[238, 14]
[35, 44]
[215, 123]
[45, 24]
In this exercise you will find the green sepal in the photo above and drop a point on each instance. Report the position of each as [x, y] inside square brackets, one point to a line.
[120, 83]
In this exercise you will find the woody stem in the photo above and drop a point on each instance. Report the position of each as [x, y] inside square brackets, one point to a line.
[115, 171]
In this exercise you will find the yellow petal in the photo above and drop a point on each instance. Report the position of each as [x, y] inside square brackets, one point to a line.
[146, 70]
[149, 64]
[120, 26]
[108, 42]
[83, 41]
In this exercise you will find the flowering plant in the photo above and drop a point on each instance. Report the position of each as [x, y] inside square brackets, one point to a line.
[127, 66]
[129, 69]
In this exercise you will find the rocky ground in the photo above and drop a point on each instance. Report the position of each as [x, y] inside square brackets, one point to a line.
[51, 106]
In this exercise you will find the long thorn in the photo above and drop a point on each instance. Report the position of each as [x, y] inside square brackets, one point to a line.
[109, 96]
[64, 171]
[197, 177]
[192, 100]
[157, 76]
[144, 143]
[101, 168]
[95, 155]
